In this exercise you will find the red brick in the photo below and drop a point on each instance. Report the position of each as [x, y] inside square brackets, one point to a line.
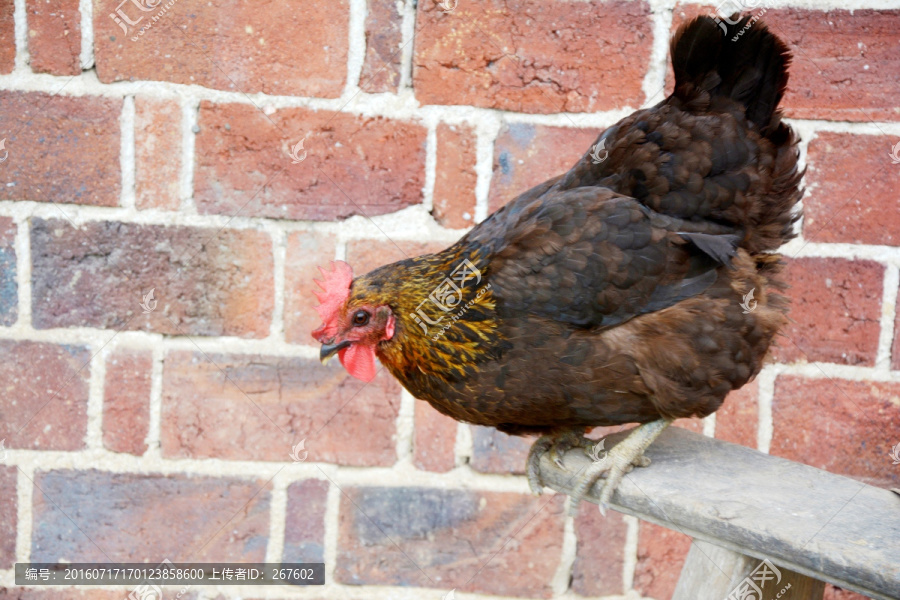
[157, 153]
[526, 155]
[858, 205]
[7, 36]
[392, 536]
[384, 41]
[9, 503]
[268, 404]
[533, 55]
[306, 251]
[600, 552]
[205, 281]
[496, 452]
[895, 351]
[126, 400]
[695, 425]
[9, 287]
[140, 518]
[304, 531]
[738, 419]
[353, 165]
[43, 395]
[660, 556]
[455, 177]
[435, 439]
[845, 62]
[836, 593]
[845, 427]
[230, 45]
[835, 311]
[367, 255]
[54, 36]
[78, 136]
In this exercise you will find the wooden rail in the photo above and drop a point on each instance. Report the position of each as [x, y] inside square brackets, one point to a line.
[742, 507]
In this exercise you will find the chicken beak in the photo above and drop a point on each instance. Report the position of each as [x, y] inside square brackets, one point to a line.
[329, 350]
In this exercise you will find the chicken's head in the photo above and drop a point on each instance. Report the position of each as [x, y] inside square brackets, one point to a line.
[351, 327]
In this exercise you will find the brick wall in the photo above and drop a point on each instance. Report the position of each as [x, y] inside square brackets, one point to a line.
[164, 163]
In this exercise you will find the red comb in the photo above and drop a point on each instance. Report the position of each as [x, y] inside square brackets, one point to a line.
[335, 291]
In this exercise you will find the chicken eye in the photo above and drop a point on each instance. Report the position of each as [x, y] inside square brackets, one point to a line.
[360, 318]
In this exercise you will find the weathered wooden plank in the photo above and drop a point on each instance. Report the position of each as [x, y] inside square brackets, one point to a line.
[829, 527]
[715, 573]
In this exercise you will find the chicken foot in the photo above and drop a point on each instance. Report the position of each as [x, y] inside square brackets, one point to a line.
[618, 461]
[556, 444]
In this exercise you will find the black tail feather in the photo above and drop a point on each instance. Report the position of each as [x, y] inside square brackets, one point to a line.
[742, 61]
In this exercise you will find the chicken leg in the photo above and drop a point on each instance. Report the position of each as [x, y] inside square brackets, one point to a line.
[626, 455]
[623, 457]
[556, 444]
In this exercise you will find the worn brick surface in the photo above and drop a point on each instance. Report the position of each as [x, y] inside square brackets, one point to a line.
[599, 553]
[7, 36]
[157, 153]
[533, 55]
[496, 452]
[268, 404]
[435, 439]
[306, 251]
[895, 350]
[835, 311]
[205, 281]
[526, 155]
[737, 420]
[304, 532]
[836, 593]
[54, 36]
[9, 503]
[384, 40]
[858, 205]
[396, 534]
[846, 65]
[126, 400]
[236, 45]
[366, 255]
[845, 62]
[61, 148]
[43, 395]
[138, 518]
[9, 288]
[244, 163]
[660, 556]
[864, 416]
[455, 177]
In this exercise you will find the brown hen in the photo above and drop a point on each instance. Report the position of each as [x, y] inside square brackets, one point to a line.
[640, 286]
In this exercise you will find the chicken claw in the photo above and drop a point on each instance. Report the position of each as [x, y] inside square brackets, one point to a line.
[557, 444]
[622, 459]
